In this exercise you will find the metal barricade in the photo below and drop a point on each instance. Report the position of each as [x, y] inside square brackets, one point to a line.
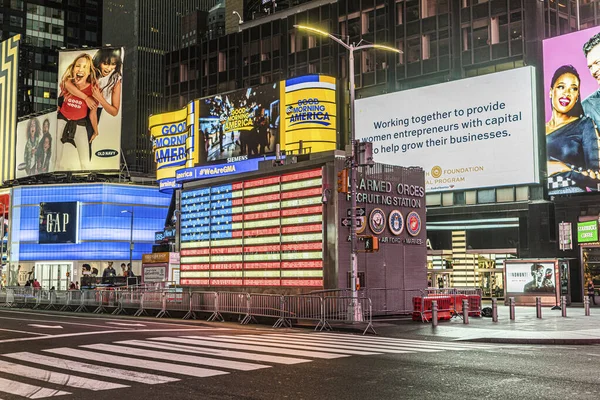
[151, 300]
[266, 305]
[73, 302]
[23, 296]
[234, 303]
[175, 300]
[44, 298]
[301, 307]
[347, 310]
[124, 300]
[205, 302]
[91, 299]
[10, 297]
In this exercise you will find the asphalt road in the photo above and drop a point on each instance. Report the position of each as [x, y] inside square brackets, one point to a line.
[83, 356]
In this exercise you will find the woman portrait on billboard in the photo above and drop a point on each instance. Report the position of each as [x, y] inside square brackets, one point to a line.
[571, 138]
[76, 90]
[108, 67]
[34, 133]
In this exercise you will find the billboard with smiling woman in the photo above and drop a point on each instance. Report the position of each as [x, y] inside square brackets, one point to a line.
[89, 109]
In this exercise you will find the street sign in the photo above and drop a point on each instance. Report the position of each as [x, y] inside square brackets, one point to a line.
[358, 222]
[360, 212]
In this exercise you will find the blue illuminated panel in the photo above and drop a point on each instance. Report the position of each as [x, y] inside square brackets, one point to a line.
[104, 231]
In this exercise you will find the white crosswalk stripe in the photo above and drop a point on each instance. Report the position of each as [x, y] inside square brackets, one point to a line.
[216, 352]
[223, 343]
[57, 377]
[91, 369]
[417, 345]
[211, 362]
[351, 348]
[169, 359]
[28, 391]
[138, 363]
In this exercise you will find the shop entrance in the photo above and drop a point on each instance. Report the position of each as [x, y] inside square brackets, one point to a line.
[439, 279]
[57, 274]
[491, 282]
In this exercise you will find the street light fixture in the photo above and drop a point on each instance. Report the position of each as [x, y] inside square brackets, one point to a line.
[130, 238]
[354, 310]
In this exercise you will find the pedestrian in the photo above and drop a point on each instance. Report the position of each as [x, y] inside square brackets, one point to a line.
[36, 284]
[590, 291]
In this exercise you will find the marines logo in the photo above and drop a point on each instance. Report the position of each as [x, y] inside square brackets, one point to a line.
[377, 221]
[396, 222]
[413, 223]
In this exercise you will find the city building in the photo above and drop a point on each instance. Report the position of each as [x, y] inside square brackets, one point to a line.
[45, 27]
[153, 28]
[471, 231]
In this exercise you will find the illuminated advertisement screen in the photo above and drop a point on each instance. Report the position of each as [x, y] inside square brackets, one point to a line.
[88, 133]
[244, 123]
[452, 137]
[310, 114]
[36, 145]
[260, 232]
[572, 111]
[174, 138]
[530, 277]
[9, 51]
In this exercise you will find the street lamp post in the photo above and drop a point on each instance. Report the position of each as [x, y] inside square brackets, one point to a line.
[130, 237]
[354, 311]
[2, 236]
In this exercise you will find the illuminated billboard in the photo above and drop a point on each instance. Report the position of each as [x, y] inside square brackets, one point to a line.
[36, 145]
[572, 111]
[89, 109]
[9, 53]
[243, 123]
[530, 278]
[259, 232]
[174, 139]
[310, 114]
[461, 141]
[236, 129]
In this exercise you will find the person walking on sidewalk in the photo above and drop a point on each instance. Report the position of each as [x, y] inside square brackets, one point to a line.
[590, 291]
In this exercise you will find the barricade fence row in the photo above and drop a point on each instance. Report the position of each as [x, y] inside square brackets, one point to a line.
[323, 311]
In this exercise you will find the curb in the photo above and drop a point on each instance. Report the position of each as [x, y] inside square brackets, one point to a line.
[534, 341]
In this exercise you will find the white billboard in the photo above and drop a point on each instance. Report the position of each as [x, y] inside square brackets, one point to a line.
[471, 133]
[36, 145]
[530, 277]
[89, 109]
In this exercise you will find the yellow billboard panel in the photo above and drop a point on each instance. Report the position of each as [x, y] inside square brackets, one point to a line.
[173, 141]
[310, 114]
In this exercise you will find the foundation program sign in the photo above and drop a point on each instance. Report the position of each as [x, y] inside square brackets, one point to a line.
[465, 134]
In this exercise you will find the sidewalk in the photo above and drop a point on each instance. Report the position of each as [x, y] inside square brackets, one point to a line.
[553, 328]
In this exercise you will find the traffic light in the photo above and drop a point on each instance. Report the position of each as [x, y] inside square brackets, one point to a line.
[371, 244]
[342, 181]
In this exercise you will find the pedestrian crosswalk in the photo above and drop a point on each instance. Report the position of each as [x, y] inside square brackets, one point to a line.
[65, 370]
